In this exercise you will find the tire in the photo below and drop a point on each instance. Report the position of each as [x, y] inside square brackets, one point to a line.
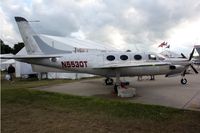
[183, 81]
[109, 81]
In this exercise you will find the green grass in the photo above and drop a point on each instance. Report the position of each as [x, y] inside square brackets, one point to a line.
[24, 107]
[29, 83]
[87, 104]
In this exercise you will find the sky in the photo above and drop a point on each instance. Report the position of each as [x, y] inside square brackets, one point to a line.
[139, 25]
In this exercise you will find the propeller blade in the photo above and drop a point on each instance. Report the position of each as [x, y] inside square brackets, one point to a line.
[191, 55]
[195, 70]
[183, 55]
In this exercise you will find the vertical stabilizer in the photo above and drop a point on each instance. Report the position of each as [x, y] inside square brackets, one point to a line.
[27, 36]
[33, 43]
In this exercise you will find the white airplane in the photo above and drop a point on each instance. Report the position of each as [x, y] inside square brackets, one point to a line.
[107, 64]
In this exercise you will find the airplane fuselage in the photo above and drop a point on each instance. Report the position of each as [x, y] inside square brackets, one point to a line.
[91, 63]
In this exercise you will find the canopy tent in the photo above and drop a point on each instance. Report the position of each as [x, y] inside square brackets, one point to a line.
[6, 62]
[69, 44]
[170, 54]
[197, 47]
[197, 57]
[76, 45]
[23, 69]
[11, 61]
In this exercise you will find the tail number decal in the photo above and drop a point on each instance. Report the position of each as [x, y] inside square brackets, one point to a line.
[69, 64]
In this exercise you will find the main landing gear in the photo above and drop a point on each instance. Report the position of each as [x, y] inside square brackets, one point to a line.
[117, 84]
[109, 81]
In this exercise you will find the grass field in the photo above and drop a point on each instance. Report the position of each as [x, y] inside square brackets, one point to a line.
[24, 110]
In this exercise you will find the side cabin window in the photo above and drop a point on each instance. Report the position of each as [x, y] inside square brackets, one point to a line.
[152, 57]
[124, 57]
[110, 57]
[137, 57]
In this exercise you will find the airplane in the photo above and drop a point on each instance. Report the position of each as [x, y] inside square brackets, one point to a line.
[107, 64]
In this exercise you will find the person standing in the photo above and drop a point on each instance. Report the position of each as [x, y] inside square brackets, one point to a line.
[11, 72]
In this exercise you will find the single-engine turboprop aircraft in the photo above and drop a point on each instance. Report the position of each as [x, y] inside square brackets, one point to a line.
[107, 64]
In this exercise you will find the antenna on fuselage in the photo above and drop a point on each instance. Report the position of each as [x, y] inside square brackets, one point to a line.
[34, 21]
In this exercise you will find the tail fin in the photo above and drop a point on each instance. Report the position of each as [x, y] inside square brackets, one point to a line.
[33, 43]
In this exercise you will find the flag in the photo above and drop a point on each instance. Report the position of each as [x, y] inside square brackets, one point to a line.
[163, 44]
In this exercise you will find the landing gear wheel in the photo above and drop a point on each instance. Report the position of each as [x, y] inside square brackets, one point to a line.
[183, 81]
[116, 88]
[109, 81]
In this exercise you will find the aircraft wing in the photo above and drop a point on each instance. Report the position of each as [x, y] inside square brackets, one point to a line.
[28, 56]
[133, 64]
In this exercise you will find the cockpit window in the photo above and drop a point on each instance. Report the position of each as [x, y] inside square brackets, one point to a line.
[152, 57]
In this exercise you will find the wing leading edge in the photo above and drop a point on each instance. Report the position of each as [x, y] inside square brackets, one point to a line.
[122, 65]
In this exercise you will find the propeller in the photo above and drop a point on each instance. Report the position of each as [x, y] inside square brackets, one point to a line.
[191, 55]
[183, 55]
[195, 70]
[190, 58]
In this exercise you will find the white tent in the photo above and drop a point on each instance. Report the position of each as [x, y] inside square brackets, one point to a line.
[24, 69]
[11, 61]
[77, 45]
[197, 47]
[69, 44]
[6, 62]
[170, 54]
[197, 56]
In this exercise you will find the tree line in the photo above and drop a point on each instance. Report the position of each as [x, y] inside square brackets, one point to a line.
[6, 49]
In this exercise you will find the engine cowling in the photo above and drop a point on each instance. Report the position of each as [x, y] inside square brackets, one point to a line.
[175, 69]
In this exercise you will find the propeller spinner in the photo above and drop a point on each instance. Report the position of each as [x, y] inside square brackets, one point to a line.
[191, 65]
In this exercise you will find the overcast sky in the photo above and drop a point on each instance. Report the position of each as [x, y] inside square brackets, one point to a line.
[126, 24]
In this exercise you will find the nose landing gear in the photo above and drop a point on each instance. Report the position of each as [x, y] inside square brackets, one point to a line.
[183, 81]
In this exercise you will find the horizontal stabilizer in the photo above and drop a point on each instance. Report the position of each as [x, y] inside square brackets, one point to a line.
[29, 56]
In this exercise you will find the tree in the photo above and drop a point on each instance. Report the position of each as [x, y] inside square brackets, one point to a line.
[18, 47]
[5, 49]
